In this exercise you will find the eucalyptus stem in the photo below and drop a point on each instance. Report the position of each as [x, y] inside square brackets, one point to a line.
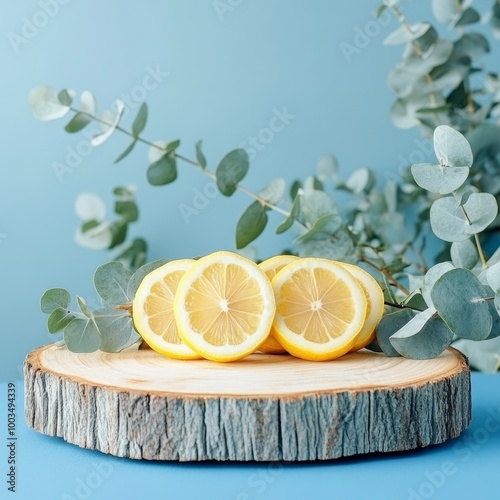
[383, 270]
[206, 171]
[476, 240]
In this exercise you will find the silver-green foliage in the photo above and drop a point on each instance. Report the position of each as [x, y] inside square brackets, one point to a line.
[460, 295]
[109, 327]
[456, 196]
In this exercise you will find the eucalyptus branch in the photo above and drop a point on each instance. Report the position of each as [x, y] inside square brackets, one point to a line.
[401, 18]
[206, 171]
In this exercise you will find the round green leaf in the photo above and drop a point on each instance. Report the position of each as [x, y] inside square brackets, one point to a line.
[82, 335]
[430, 278]
[54, 298]
[451, 147]
[336, 247]
[59, 318]
[108, 123]
[274, 191]
[464, 254]
[388, 326]
[163, 171]
[231, 170]
[111, 282]
[46, 103]
[458, 297]
[140, 274]
[116, 329]
[439, 179]
[403, 35]
[251, 224]
[327, 168]
[448, 220]
[425, 336]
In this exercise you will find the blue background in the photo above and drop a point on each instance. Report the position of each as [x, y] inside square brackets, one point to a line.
[227, 71]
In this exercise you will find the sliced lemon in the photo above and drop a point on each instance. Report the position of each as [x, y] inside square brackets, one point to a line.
[224, 307]
[375, 305]
[152, 310]
[271, 267]
[320, 309]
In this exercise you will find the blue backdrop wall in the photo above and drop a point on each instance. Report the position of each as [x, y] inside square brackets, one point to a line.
[217, 70]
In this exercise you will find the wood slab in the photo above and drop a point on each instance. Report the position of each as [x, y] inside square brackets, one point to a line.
[265, 407]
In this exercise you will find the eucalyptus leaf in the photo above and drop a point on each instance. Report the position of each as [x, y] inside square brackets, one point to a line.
[54, 298]
[58, 319]
[388, 326]
[231, 170]
[327, 168]
[464, 254]
[415, 301]
[449, 222]
[116, 329]
[127, 151]
[83, 306]
[339, 246]
[327, 224]
[172, 146]
[77, 123]
[128, 210]
[360, 180]
[404, 35]
[251, 224]
[493, 277]
[163, 171]
[274, 191]
[133, 255]
[439, 178]
[458, 297]
[314, 204]
[89, 206]
[425, 336]
[288, 222]
[140, 120]
[98, 237]
[82, 335]
[430, 278]
[45, 103]
[451, 147]
[445, 10]
[119, 231]
[140, 274]
[200, 157]
[469, 16]
[108, 122]
[111, 281]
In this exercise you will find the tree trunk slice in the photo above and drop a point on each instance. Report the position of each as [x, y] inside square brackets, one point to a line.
[141, 405]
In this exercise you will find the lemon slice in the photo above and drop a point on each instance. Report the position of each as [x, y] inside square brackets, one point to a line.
[152, 310]
[271, 266]
[320, 309]
[375, 305]
[224, 307]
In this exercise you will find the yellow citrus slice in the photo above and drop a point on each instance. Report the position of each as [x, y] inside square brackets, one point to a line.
[224, 307]
[271, 266]
[152, 310]
[375, 305]
[320, 309]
